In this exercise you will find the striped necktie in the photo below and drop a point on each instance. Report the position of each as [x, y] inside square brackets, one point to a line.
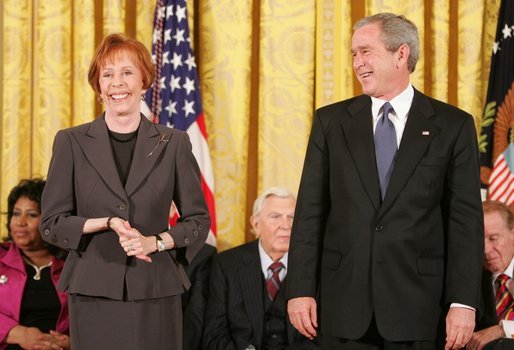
[504, 301]
[273, 283]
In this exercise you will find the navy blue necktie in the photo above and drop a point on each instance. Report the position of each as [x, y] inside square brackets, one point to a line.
[385, 147]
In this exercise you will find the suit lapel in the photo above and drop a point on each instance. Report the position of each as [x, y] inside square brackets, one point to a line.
[358, 132]
[250, 275]
[419, 132]
[150, 144]
[97, 149]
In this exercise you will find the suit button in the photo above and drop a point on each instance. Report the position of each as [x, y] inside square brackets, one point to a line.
[186, 241]
[379, 228]
[47, 232]
[195, 233]
[65, 243]
[200, 227]
[122, 206]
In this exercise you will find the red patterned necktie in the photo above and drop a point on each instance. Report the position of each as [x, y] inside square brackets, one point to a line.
[504, 301]
[273, 283]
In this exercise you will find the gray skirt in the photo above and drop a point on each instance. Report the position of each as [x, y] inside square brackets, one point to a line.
[100, 323]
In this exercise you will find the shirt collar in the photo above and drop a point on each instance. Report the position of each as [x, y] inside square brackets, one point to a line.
[401, 104]
[508, 270]
[266, 261]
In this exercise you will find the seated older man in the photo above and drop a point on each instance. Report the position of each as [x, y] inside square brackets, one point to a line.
[496, 319]
[246, 307]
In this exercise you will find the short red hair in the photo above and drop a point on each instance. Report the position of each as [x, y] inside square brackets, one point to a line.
[112, 47]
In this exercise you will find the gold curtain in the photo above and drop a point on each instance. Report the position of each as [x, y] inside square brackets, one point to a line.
[264, 66]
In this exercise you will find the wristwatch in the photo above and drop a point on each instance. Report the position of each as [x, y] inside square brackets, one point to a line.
[160, 243]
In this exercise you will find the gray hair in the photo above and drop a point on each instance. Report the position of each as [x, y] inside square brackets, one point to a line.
[395, 31]
[272, 191]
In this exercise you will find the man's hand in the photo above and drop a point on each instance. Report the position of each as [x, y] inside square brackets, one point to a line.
[482, 338]
[302, 313]
[460, 323]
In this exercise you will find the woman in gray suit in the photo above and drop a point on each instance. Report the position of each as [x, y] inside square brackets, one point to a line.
[110, 186]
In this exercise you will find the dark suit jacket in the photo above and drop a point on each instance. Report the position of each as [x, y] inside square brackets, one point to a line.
[235, 310]
[486, 317]
[83, 183]
[405, 259]
[194, 301]
[500, 344]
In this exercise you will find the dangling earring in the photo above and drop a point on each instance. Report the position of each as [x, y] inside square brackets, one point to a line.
[100, 100]
[143, 96]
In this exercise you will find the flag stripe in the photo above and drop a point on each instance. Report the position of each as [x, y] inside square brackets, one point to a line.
[501, 181]
[201, 152]
[498, 175]
[503, 186]
[510, 198]
[201, 125]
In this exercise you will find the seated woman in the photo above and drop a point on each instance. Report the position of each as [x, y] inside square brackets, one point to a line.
[33, 314]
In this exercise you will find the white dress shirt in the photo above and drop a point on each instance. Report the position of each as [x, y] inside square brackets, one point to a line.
[266, 261]
[401, 105]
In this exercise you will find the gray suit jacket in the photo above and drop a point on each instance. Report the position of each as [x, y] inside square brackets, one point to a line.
[83, 183]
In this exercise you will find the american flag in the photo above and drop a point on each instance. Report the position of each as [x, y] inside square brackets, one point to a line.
[501, 182]
[174, 99]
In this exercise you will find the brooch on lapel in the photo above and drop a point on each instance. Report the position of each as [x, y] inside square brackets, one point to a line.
[425, 133]
[162, 139]
[3, 280]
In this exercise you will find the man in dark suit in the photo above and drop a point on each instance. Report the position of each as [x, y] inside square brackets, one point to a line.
[390, 237]
[246, 307]
[194, 300]
[496, 323]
